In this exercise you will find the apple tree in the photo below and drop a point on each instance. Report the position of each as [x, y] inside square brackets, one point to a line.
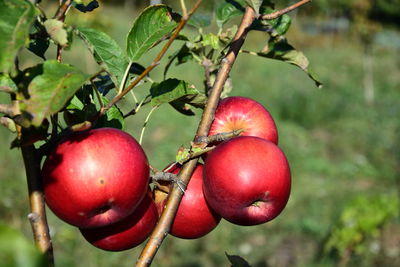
[51, 101]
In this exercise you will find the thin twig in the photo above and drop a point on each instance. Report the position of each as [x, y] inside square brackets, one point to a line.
[164, 176]
[153, 169]
[96, 91]
[62, 9]
[281, 12]
[6, 89]
[220, 137]
[135, 110]
[59, 53]
[134, 97]
[9, 109]
[183, 6]
[37, 216]
[125, 78]
[175, 196]
[155, 62]
[145, 124]
[60, 15]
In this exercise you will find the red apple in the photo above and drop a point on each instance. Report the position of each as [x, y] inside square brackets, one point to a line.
[247, 180]
[194, 217]
[96, 177]
[237, 112]
[127, 233]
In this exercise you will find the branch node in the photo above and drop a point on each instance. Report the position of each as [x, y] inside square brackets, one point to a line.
[33, 217]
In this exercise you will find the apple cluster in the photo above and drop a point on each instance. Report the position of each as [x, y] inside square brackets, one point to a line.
[98, 180]
[246, 180]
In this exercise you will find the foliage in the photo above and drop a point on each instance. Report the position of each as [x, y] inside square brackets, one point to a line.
[360, 221]
[17, 251]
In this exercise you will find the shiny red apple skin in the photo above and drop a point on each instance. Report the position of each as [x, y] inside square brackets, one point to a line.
[96, 177]
[127, 233]
[247, 180]
[194, 217]
[237, 112]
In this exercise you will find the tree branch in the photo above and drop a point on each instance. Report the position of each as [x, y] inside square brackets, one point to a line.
[155, 62]
[62, 9]
[175, 196]
[37, 217]
[281, 12]
[10, 109]
[220, 137]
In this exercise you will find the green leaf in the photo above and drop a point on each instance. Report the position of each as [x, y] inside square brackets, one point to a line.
[182, 107]
[200, 20]
[149, 28]
[85, 105]
[50, 91]
[182, 154]
[237, 261]
[113, 117]
[106, 51]
[360, 220]
[17, 251]
[7, 84]
[92, 5]
[255, 4]
[278, 26]
[281, 24]
[170, 90]
[56, 31]
[227, 10]
[183, 55]
[280, 49]
[211, 40]
[16, 17]
[185, 103]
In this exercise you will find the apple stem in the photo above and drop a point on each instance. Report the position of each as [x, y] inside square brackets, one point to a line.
[175, 196]
[37, 216]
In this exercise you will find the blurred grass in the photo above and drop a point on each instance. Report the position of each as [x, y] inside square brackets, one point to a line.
[338, 146]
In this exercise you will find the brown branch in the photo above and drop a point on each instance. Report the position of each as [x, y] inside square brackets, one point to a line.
[6, 89]
[281, 12]
[155, 62]
[220, 137]
[37, 216]
[62, 9]
[60, 15]
[59, 53]
[10, 109]
[175, 196]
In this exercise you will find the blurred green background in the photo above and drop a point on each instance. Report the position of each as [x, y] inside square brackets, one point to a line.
[342, 142]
